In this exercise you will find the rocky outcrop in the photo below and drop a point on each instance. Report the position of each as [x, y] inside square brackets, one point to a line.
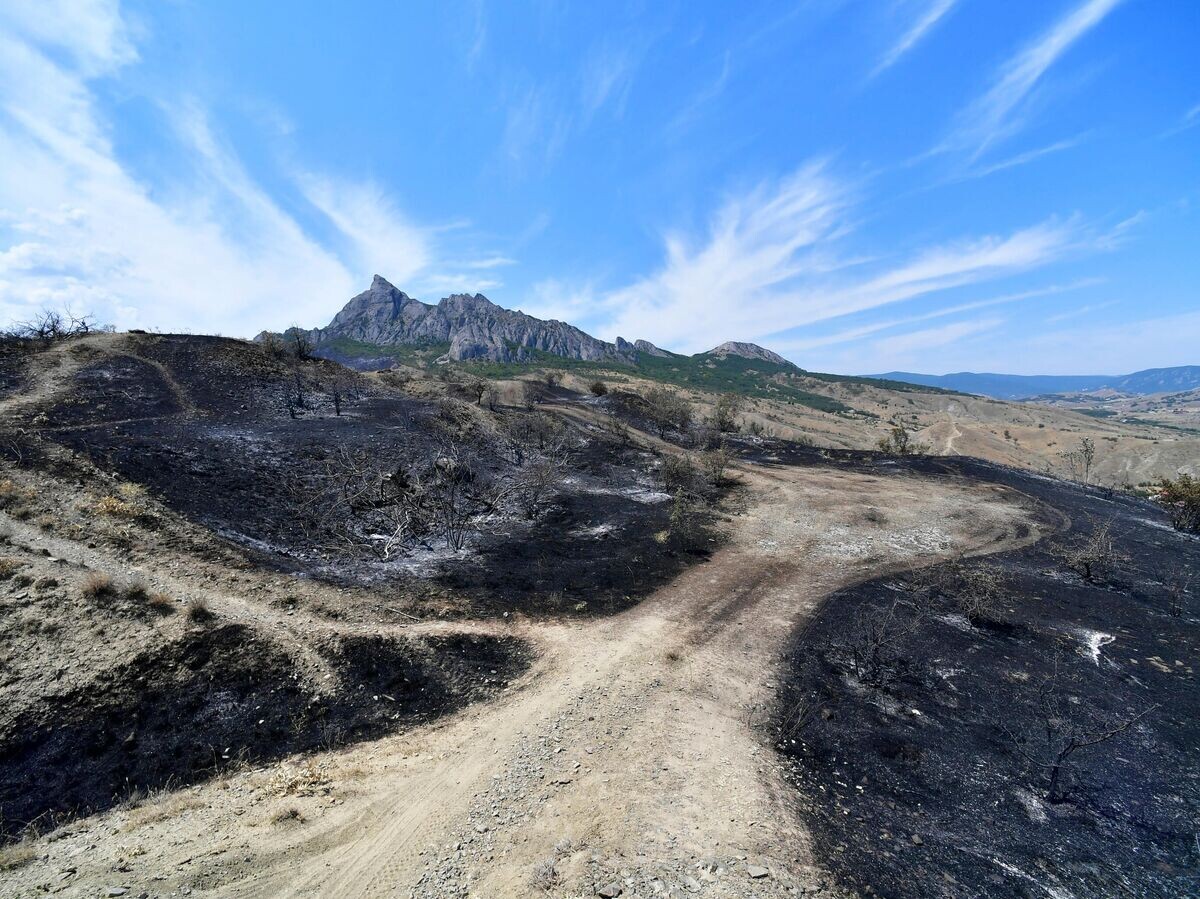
[645, 346]
[474, 326]
[747, 351]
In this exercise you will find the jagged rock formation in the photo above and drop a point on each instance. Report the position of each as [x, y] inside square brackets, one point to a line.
[747, 351]
[645, 346]
[474, 326]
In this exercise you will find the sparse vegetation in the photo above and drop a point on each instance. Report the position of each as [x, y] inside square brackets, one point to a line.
[899, 442]
[1181, 497]
[725, 413]
[874, 646]
[598, 388]
[544, 876]
[289, 815]
[667, 410]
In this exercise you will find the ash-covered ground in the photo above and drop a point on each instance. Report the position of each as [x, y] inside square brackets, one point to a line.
[923, 714]
[253, 449]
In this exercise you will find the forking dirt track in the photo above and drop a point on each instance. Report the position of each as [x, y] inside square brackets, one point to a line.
[631, 754]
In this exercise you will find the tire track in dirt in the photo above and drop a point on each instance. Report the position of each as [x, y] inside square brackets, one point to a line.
[663, 696]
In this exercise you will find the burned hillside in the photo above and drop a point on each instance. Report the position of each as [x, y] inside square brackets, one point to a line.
[314, 469]
[1017, 725]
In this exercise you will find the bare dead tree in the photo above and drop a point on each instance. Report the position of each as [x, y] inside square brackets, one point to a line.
[1178, 587]
[475, 388]
[1065, 727]
[299, 343]
[529, 395]
[977, 590]
[536, 482]
[1092, 556]
[874, 642]
[50, 325]
[342, 386]
[1087, 456]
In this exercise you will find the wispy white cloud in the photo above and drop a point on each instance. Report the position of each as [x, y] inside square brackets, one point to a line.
[773, 260]
[993, 116]
[535, 129]
[1144, 343]
[850, 335]
[1189, 120]
[607, 79]
[931, 338]
[479, 35]
[702, 98]
[561, 299]
[930, 15]
[1079, 312]
[489, 262]
[1025, 158]
[440, 285]
[376, 234]
[213, 252]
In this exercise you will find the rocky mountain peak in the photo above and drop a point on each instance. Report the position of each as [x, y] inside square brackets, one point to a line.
[747, 351]
[645, 346]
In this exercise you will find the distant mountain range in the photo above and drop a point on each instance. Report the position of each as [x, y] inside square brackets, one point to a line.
[383, 326]
[1015, 387]
[370, 330]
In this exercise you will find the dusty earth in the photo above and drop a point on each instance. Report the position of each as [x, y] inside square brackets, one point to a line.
[589, 713]
[629, 757]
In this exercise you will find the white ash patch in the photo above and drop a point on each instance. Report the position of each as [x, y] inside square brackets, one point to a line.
[921, 540]
[1093, 642]
[955, 619]
[1032, 804]
[598, 530]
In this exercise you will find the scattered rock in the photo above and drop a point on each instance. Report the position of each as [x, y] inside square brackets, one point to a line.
[609, 891]
[757, 871]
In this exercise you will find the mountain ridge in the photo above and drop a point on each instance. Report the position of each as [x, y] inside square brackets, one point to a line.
[1012, 387]
[473, 328]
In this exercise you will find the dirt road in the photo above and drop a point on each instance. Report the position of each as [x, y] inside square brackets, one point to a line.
[629, 761]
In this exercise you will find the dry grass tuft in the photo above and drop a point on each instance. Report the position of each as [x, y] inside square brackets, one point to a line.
[97, 584]
[288, 815]
[199, 612]
[161, 603]
[9, 567]
[16, 855]
[544, 876]
[113, 507]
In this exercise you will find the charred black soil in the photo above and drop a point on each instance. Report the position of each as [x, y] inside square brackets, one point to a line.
[254, 450]
[922, 729]
[223, 695]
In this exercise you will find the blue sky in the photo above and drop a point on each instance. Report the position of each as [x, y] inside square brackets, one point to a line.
[931, 185]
